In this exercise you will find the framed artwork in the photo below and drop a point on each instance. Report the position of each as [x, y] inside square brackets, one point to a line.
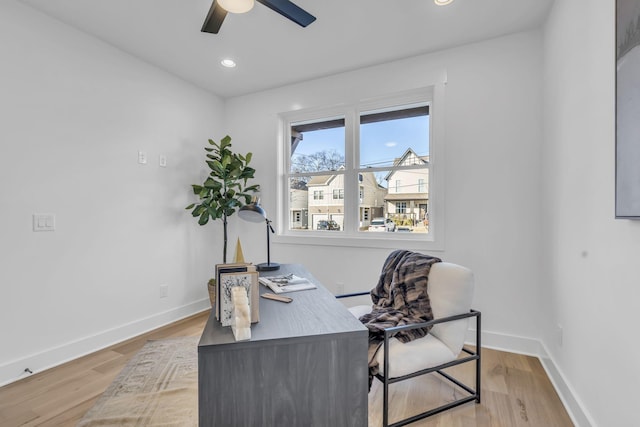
[628, 109]
[247, 280]
[228, 268]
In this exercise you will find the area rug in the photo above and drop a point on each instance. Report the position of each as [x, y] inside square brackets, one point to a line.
[158, 387]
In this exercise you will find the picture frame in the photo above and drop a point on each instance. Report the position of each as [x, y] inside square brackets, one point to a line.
[228, 268]
[247, 280]
[627, 145]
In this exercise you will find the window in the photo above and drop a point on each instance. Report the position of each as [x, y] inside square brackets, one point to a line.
[374, 160]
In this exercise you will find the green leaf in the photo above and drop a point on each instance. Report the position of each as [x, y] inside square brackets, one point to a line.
[190, 206]
[208, 149]
[216, 166]
[198, 210]
[204, 192]
[204, 218]
[248, 172]
[249, 156]
[225, 142]
[211, 183]
[196, 188]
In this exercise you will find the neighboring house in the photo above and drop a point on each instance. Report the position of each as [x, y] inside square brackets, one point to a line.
[298, 209]
[371, 198]
[407, 199]
[326, 199]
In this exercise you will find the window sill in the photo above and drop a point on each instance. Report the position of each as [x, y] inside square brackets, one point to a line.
[394, 241]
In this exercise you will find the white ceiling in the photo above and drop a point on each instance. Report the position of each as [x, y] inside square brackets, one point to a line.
[272, 51]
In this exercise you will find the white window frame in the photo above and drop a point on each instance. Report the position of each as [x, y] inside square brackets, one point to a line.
[434, 96]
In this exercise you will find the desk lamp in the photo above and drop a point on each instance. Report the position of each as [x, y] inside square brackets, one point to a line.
[253, 212]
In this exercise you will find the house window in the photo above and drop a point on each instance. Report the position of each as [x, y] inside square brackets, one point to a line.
[366, 156]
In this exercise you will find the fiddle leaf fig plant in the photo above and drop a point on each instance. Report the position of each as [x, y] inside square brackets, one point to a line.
[225, 190]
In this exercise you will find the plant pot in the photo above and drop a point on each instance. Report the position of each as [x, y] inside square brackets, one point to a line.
[211, 285]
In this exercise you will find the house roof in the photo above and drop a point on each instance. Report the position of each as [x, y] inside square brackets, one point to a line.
[320, 180]
[399, 160]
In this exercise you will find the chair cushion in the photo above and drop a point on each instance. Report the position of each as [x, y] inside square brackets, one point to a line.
[423, 353]
[450, 290]
[413, 356]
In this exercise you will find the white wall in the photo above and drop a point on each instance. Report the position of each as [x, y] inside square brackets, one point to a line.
[74, 113]
[492, 191]
[592, 285]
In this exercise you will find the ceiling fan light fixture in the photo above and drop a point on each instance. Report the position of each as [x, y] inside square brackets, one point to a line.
[442, 2]
[236, 6]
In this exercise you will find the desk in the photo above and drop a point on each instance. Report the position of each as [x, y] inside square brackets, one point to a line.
[305, 365]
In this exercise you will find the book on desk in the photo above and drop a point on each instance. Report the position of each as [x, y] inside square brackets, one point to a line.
[286, 283]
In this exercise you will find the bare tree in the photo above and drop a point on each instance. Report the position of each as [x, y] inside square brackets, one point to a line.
[326, 160]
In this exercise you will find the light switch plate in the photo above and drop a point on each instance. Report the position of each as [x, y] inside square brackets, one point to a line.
[142, 157]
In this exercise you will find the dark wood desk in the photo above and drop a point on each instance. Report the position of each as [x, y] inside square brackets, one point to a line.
[305, 365]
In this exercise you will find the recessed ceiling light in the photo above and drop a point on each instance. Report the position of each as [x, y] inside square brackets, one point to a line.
[229, 63]
[442, 2]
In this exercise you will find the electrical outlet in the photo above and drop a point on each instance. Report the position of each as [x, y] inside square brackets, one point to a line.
[164, 291]
[162, 161]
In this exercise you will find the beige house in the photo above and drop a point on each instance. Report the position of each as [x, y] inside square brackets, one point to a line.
[407, 198]
[371, 198]
[326, 199]
[298, 209]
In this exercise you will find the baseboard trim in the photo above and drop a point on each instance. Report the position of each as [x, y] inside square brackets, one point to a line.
[14, 370]
[576, 409]
[533, 347]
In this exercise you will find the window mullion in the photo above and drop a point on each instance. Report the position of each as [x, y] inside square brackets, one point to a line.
[351, 218]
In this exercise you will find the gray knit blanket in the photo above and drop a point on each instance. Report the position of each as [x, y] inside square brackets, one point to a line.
[399, 298]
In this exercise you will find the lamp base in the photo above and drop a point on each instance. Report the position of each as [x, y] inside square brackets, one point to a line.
[272, 266]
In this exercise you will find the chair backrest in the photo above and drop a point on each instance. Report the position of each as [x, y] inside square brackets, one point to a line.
[450, 290]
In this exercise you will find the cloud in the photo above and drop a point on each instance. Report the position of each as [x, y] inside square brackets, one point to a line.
[391, 144]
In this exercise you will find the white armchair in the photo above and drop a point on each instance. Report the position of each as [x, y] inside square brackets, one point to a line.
[450, 289]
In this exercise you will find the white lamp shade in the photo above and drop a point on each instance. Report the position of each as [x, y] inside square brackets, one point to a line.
[236, 6]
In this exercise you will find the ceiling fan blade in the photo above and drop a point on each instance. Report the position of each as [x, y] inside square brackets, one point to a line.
[214, 19]
[289, 10]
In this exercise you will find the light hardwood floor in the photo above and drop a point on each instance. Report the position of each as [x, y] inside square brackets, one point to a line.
[515, 390]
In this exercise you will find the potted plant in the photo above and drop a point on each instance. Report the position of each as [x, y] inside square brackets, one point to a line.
[225, 190]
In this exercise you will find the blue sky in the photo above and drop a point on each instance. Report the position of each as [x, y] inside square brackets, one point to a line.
[380, 142]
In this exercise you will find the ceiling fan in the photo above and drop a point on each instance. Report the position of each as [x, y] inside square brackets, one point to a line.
[219, 9]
